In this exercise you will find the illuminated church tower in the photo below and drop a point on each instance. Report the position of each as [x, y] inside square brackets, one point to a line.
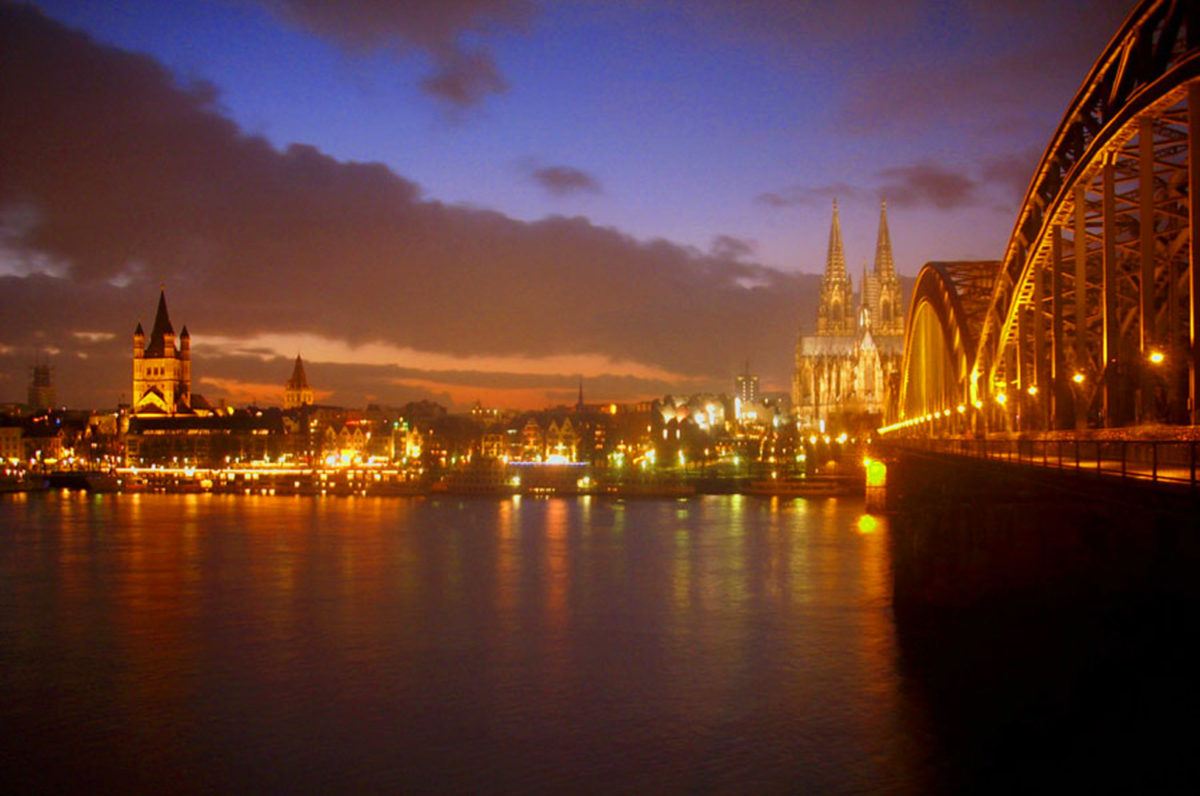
[297, 393]
[881, 288]
[162, 372]
[835, 314]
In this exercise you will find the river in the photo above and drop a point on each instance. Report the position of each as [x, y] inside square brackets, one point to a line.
[201, 643]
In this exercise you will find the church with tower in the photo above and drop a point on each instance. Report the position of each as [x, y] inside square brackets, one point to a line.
[162, 371]
[842, 372]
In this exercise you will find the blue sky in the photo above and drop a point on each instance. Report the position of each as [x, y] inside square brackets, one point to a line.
[690, 123]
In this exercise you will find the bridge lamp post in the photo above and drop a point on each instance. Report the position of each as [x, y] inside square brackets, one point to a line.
[1002, 402]
[1077, 394]
[1157, 361]
[1031, 407]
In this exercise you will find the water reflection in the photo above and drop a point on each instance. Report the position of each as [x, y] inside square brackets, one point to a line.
[719, 643]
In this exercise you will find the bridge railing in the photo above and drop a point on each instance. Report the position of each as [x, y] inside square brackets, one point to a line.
[1159, 461]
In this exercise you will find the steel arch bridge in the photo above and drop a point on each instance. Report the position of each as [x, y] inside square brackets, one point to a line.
[1091, 318]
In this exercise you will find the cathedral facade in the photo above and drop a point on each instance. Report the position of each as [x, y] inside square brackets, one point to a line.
[843, 371]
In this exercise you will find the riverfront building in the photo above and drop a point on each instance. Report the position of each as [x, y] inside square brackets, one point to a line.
[842, 372]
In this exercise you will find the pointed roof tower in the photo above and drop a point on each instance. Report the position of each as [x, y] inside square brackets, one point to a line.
[835, 313]
[297, 393]
[885, 266]
[886, 307]
[157, 347]
[835, 258]
[299, 380]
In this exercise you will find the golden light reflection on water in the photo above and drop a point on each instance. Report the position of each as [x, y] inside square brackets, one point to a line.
[556, 563]
[552, 618]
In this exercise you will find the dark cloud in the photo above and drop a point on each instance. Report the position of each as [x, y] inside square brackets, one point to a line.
[727, 247]
[559, 180]
[925, 184]
[120, 178]
[463, 76]
[928, 184]
[804, 196]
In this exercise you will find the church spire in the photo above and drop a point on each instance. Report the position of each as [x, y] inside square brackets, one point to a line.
[299, 380]
[885, 266]
[887, 310]
[835, 258]
[296, 392]
[162, 336]
[835, 313]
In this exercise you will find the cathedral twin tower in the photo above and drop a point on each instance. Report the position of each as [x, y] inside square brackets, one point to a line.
[842, 370]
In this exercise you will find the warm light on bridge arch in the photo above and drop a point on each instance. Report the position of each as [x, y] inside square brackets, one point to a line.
[1090, 319]
[930, 384]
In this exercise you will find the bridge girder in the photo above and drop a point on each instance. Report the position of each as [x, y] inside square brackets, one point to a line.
[1092, 313]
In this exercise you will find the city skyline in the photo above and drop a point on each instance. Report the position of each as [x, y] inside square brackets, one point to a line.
[490, 200]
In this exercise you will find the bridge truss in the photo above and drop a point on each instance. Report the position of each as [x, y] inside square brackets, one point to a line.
[1091, 318]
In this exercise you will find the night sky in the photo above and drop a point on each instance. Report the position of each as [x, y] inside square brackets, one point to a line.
[494, 198]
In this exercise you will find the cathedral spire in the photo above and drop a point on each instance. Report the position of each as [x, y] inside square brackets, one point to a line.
[835, 259]
[835, 313]
[885, 266]
[886, 308]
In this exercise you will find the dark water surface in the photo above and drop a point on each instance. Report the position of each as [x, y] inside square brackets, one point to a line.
[217, 643]
[157, 643]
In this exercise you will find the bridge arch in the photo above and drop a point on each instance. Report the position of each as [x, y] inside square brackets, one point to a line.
[1092, 315]
[941, 337]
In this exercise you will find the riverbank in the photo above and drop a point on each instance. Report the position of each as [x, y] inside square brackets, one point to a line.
[395, 483]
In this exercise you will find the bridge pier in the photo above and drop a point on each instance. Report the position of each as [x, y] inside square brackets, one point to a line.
[969, 531]
[1047, 620]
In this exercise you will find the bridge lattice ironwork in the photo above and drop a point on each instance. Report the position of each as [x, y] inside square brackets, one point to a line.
[1091, 317]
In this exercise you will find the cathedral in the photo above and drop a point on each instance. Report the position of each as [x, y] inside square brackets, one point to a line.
[842, 372]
